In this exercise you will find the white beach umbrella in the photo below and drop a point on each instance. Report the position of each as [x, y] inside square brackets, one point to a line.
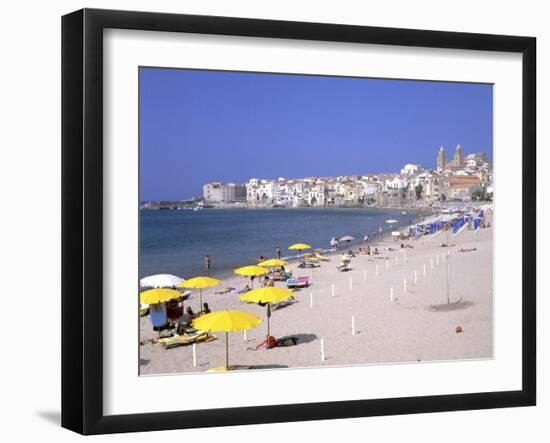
[347, 238]
[160, 281]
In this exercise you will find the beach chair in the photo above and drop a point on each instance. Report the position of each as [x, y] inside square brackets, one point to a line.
[280, 276]
[321, 257]
[311, 257]
[300, 282]
[345, 266]
[183, 340]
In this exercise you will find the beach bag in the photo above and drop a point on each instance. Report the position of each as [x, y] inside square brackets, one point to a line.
[271, 342]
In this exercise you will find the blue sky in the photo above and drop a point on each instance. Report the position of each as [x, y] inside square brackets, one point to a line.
[201, 126]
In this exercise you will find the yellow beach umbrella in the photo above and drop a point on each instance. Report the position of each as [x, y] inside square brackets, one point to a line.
[199, 283]
[226, 321]
[154, 296]
[271, 263]
[269, 294]
[251, 271]
[299, 246]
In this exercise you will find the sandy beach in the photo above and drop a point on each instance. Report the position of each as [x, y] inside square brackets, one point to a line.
[418, 325]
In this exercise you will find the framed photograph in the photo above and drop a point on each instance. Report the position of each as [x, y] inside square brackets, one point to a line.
[269, 221]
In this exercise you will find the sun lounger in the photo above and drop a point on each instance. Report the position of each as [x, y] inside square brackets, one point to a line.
[283, 304]
[346, 266]
[280, 276]
[182, 340]
[300, 282]
[311, 257]
[321, 257]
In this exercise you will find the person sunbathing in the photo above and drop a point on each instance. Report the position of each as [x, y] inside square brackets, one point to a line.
[225, 290]
[375, 252]
[205, 309]
[467, 249]
[244, 290]
[304, 265]
[344, 266]
[184, 323]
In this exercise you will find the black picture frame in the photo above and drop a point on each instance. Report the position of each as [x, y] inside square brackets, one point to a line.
[82, 218]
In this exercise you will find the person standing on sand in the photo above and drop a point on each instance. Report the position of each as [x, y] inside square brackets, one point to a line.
[278, 252]
[366, 237]
[207, 263]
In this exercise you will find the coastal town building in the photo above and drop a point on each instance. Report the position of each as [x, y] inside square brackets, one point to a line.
[463, 178]
[218, 192]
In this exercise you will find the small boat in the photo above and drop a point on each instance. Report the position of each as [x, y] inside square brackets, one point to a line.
[403, 212]
[391, 220]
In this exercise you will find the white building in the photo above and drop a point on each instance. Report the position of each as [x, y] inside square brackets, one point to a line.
[411, 169]
[316, 194]
[261, 192]
[370, 188]
[397, 183]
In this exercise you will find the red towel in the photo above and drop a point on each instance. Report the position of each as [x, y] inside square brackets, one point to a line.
[174, 313]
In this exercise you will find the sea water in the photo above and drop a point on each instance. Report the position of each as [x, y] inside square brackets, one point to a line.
[176, 241]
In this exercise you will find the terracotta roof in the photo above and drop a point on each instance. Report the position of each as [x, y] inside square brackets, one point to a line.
[462, 185]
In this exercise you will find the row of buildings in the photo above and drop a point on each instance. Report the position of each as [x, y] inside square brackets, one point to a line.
[463, 178]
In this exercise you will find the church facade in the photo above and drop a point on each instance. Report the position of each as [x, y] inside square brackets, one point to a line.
[457, 162]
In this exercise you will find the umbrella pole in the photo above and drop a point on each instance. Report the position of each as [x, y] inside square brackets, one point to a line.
[268, 332]
[227, 350]
[200, 299]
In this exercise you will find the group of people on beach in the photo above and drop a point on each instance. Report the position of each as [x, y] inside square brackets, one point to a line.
[367, 251]
[171, 315]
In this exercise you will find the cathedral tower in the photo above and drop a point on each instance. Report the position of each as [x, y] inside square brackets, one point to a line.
[458, 159]
[441, 162]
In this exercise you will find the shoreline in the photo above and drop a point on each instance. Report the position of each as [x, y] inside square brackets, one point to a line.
[289, 228]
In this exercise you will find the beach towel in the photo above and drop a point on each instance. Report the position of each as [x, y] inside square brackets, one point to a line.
[158, 315]
[287, 341]
[174, 313]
